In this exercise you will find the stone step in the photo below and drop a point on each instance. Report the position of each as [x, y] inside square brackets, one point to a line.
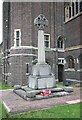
[21, 93]
[30, 94]
[68, 89]
[57, 94]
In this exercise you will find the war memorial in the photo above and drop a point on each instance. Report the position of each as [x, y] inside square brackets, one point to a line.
[41, 82]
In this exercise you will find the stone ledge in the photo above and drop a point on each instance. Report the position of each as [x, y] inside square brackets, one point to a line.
[30, 94]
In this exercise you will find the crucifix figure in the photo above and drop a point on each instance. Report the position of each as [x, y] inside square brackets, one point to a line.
[41, 22]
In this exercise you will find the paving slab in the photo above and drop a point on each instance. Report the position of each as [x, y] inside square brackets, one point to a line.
[16, 104]
[74, 101]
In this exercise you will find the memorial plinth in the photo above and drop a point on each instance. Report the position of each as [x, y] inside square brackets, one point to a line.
[41, 76]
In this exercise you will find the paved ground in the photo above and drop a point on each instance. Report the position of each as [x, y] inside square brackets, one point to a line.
[16, 104]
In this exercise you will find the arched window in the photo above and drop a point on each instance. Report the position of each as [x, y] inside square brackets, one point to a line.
[80, 60]
[60, 42]
[70, 61]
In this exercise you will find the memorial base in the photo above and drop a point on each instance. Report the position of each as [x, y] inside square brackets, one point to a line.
[41, 77]
[30, 94]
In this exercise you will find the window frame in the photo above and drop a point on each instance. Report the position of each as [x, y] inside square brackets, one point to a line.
[15, 37]
[73, 10]
[47, 40]
[61, 61]
[71, 63]
[60, 43]
[27, 68]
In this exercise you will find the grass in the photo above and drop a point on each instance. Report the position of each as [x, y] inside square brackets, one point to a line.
[59, 84]
[65, 111]
[4, 86]
[3, 112]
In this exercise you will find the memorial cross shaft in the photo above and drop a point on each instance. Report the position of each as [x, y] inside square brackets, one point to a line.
[41, 22]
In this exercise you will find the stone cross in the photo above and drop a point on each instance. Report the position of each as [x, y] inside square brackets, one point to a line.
[41, 22]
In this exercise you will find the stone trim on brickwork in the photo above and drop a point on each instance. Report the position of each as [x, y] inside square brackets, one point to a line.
[73, 48]
[23, 47]
[72, 18]
[6, 74]
[35, 48]
[61, 61]
[22, 55]
[72, 10]
[79, 70]
[69, 69]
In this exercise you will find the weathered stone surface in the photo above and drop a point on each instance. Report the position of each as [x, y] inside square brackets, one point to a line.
[41, 77]
[41, 70]
[17, 86]
[31, 94]
[59, 94]
[56, 94]
[25, 88]
[68, 89]
[41, 22]
[57, 89]
[42, 82]
[21, 93]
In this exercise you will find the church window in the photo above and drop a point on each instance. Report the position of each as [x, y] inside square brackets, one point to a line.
[71, 63]
[60, 43]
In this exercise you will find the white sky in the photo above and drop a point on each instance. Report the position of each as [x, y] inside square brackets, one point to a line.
[0, 21]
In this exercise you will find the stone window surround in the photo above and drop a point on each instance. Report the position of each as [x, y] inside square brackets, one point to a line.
[61, 42]
[70, 69]
[7, 74]
[79, 70]
[67, 19]
[15, 30]
[27, 68]
[70, 60]
[62, 61]
[47, 40]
